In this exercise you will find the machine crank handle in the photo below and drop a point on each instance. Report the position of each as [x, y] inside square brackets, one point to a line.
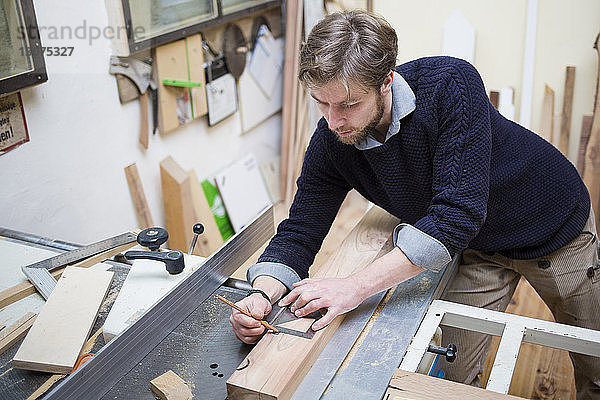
[449, 352]
[173, 259]
[198, 229]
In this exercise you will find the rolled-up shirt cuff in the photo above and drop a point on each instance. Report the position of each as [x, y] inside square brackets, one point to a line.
[281, 272]
[420, 248]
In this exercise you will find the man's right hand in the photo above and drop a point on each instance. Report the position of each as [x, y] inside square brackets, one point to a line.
[247, 329]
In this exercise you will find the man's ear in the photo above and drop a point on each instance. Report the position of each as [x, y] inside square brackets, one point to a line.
[386, 86]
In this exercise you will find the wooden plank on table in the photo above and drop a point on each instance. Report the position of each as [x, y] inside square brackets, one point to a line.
[547, 123]
[139, 198]
[591, 174]
[177, 199]
[60, 331]
[586, 130]
[278, 363]
[16, 331]
[44, 387]
[406, 385]
[169, 386]
[567, 110]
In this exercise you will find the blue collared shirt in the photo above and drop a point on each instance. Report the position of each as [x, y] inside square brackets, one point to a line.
[403, 103]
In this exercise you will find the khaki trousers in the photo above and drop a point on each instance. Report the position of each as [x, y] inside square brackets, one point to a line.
[568, 281]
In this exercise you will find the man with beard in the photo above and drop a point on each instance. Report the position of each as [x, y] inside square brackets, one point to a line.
[422, 141]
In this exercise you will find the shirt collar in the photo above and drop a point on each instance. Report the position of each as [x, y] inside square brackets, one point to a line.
[403, 103]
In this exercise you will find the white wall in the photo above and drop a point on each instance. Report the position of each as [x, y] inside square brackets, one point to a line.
[566, 31]
[68, 181]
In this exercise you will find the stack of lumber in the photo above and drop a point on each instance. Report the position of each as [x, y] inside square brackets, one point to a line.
[295, 132]
[591, 174]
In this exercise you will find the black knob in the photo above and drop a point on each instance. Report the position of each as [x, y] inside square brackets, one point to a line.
[173, 259]
[449, 352]
[198, 229]
[153, 237]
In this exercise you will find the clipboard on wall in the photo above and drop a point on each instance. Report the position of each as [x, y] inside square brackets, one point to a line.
[221, 93]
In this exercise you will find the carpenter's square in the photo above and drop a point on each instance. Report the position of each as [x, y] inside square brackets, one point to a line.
[281, 315]
[39, 273]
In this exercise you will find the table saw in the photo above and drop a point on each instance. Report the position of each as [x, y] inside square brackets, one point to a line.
[188, 331]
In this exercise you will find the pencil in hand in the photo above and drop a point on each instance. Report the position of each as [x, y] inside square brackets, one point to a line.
[263, 323]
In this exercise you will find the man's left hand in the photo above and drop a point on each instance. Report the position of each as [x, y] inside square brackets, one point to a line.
[336, 295]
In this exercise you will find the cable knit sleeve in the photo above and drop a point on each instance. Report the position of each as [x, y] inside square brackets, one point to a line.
[320, 193]
[461, 150]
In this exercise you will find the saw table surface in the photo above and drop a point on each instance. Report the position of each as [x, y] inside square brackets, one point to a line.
[204, 352]
[18, 383]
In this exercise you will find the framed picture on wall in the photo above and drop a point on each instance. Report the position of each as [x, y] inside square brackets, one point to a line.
[21, 55]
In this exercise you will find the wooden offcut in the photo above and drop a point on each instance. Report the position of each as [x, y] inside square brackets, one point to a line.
[547, 123]
[210, 240]
[169, 386]
[183, 61]
[128, 91]
[16, 331]
[586, 130]
[59, 333]
[186, 205]
[406, 385]
[495, 98]
[177, 199]
[567, 110]
[137, 195]
[278, 363]
[591, 174]
[143, 135]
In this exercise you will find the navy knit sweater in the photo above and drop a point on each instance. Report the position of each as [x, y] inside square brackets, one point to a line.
[457, 170]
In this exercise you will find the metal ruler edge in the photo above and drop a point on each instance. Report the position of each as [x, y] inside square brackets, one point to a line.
[383, 340]
[84, 252]
[122, 353]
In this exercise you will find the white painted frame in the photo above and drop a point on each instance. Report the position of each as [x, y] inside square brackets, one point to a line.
[513, 329]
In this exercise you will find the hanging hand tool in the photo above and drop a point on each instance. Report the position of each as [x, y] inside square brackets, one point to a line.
[140, 73]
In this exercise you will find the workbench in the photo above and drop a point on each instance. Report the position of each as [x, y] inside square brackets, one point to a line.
[203, 351]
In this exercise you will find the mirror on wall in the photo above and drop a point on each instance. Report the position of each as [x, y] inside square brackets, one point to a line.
[21, 60]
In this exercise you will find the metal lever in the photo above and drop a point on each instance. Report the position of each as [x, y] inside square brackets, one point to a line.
[449, 352]
[198, 229]
[153, 238]
[173, 259]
